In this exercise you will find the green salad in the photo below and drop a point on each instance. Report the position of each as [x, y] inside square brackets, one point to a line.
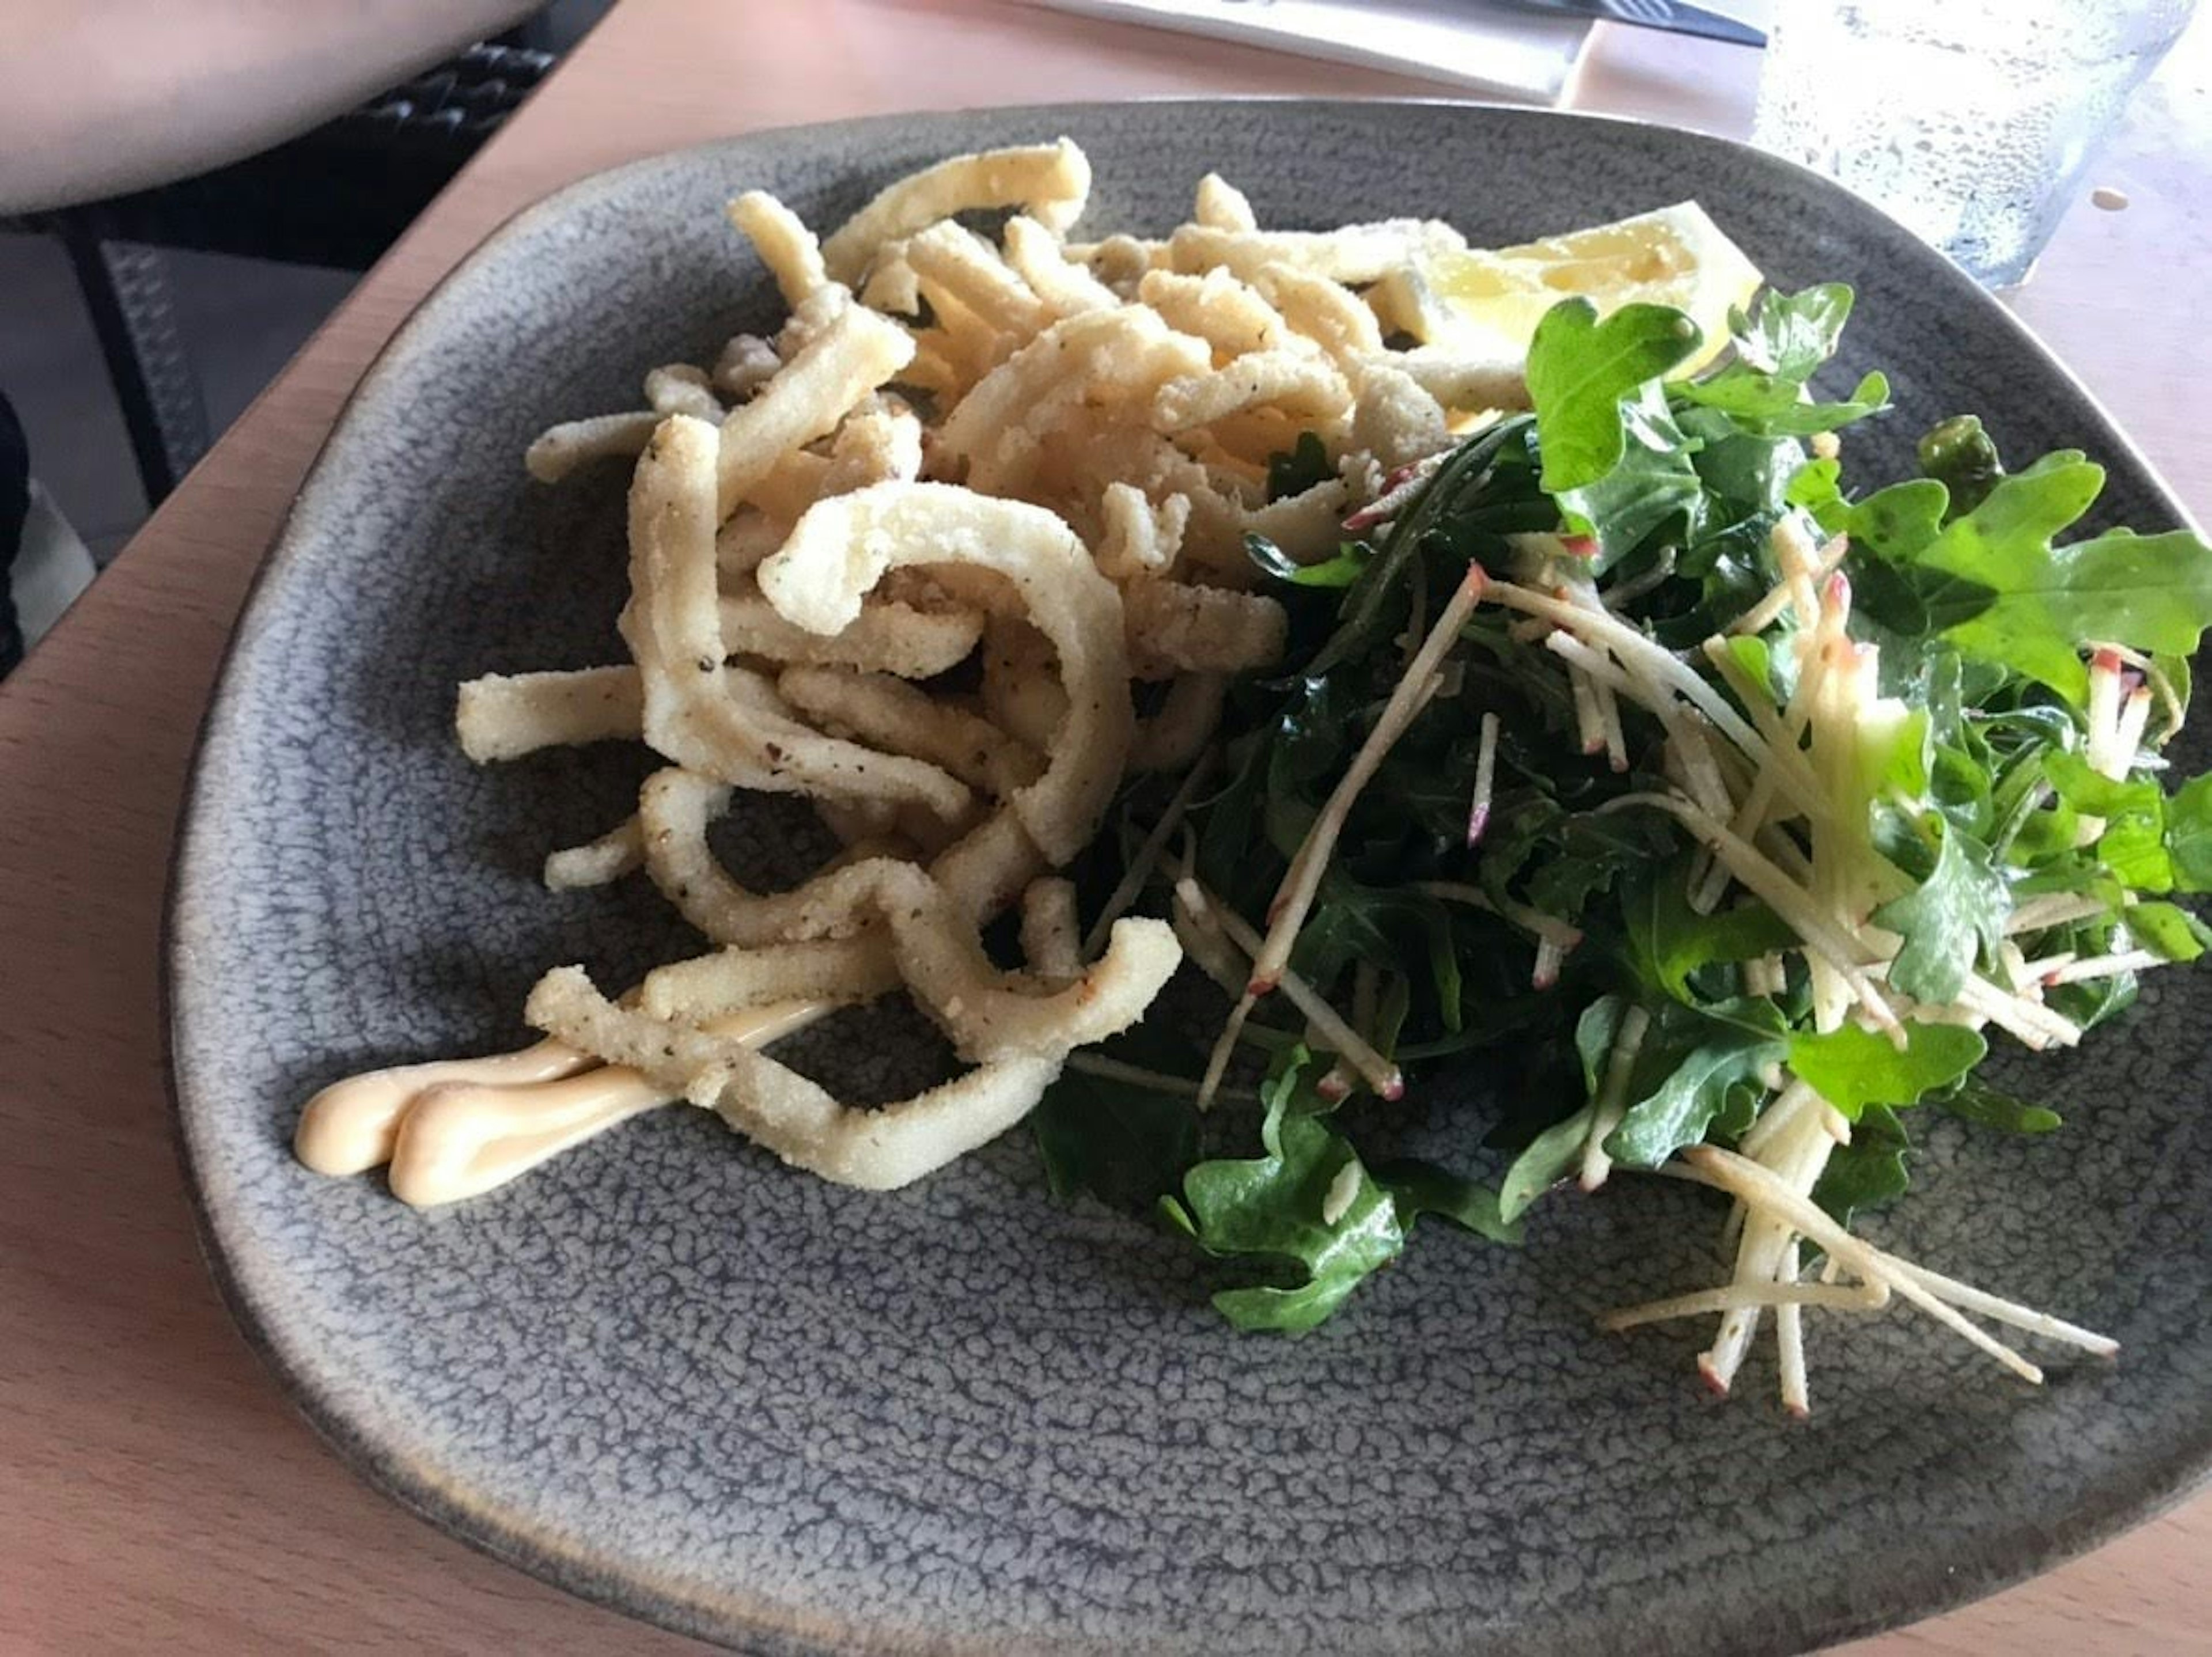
[1680, 802]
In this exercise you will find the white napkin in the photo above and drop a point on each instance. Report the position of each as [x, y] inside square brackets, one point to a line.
[1501, 52]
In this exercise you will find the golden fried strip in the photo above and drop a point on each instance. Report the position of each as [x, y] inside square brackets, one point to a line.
[1291, 382]
[1175, 629]
[503, 716]
[1052, 937]
[887, 636]
[782, 1110]
[843, 546]
[892, 715]
[1094, 357]
[1050, 182]
[852, 353]
[697, 711]
[596, 862]
[785, 245]
[1354, 253]
[953, 262]
[1228, 314]
[839, 971]
[559, 450]
[1220, 205]
[1136, 536]
[1064, 287]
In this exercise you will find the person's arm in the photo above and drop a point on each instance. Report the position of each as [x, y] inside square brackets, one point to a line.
[101, 96]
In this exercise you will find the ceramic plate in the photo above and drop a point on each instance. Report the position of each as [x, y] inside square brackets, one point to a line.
[670, 1376]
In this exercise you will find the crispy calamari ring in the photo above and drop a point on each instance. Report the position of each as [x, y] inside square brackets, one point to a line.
[784, 243]
[1353, 253]
[1065, 287]
[843, 547]
[1097, 357]
[887, 636]
[1050, 182]
[1178, 629]
[783, 1111]
[697, 710]
[889, 713]
[984, 870]
[841, 971]
[503, 716]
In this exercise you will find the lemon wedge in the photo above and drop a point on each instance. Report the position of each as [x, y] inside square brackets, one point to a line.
[1674, 256]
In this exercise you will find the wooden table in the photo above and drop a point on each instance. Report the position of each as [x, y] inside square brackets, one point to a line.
[156, 1489]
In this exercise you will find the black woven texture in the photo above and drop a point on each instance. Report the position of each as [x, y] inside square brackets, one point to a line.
[337, 196]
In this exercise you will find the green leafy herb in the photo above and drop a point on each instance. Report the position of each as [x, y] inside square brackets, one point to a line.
[1307, 1201]
[1960, 455]
[1852, 1068]
[1302, 467]
[1581, 371]
[1870, 1171]
[1953, 918]
[1583, 952]
[1997, 585]
[1699, 1057]
[1125, 1144]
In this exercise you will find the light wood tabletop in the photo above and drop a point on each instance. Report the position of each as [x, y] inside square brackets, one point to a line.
[157, 1490]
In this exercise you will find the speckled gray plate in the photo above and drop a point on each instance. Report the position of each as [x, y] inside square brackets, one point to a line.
[670, 1376]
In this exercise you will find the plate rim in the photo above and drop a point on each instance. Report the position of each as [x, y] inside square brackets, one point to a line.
[486, 1526]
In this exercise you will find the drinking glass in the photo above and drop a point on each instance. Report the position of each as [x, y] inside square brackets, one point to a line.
[1970, 120]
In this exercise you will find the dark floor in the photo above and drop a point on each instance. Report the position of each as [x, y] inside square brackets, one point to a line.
[242, 318]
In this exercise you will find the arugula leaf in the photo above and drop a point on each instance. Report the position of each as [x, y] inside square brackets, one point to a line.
[1867, 1172]
[1791, 335]
[1545, 1162]
[1852, 1068]
[1550, 1156]
[1959, 455]
[1273, 1206]
[1125, 1144]
[1954, 916]
[1667, 940]
[2168, 931]
[1817, 486]
[1419, 1187]
[1988, 1107]
[1652, 480]
[1777, 352]
[1301, 467]
[2152, 841]
[1339, 569]
[1707, 1057]
[2188, 835]
[1580, 370]
[1998, 586]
